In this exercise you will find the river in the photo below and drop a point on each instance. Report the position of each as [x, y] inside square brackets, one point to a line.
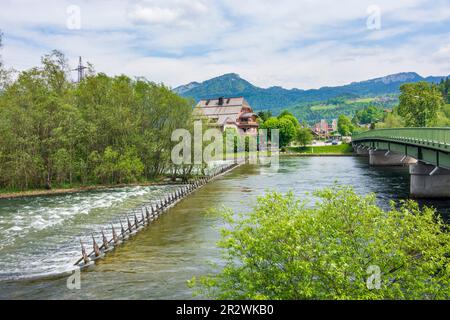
[39, 237]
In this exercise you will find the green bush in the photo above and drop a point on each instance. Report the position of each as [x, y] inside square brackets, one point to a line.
[286, 249]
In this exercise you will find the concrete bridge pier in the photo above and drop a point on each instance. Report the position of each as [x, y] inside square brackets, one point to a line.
[428, 181]
[389, 158]
[361, 150]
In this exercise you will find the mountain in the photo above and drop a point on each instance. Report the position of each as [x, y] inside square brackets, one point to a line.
[186, 88]
[379, 91]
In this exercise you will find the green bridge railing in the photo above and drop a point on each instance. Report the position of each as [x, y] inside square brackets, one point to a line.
[431, 137]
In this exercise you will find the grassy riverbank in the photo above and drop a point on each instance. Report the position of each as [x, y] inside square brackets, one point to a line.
[340, 150]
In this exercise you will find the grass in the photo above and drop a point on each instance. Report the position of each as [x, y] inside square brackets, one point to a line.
[324, 107]
[361, 100]
[343, 149]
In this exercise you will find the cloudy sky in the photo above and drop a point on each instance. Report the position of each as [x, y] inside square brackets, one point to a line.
[289, 43]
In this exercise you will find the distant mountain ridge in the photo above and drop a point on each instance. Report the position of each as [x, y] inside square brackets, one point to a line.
[278, 98]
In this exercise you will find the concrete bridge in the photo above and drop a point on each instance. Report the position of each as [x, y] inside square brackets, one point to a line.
[425, 150]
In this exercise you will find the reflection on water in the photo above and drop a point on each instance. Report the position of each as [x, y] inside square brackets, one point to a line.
[159, 260]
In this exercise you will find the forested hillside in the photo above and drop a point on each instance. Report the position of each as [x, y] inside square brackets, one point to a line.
[308, 105]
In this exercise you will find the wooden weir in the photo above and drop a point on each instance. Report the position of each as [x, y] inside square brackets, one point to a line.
[149, 213]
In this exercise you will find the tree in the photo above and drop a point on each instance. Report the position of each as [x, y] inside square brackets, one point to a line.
[419, 104]
[264, 115]
[102, 130]
[343, 247]
[445, 89]
[368, 115]
[345, 126]
[304, 136]
[291, 118]
[285, 113]
[391, 120]
[286, 128]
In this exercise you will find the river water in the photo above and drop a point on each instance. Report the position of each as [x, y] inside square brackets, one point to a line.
[39, 237]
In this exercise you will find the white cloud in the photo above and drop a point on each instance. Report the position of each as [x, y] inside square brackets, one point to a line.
[291, 43]
[178, 12]
[153, 15]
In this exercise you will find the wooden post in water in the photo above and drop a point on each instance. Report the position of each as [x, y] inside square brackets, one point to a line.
[143, 218]
[122, 229]
[114, 234]
[83, 253]
[136, 222]
[105, 241]
[129, 224]
[147, 213]
[95, 247]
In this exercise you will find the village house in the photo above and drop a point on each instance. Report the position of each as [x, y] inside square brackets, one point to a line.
[224, 113]
[324, 129]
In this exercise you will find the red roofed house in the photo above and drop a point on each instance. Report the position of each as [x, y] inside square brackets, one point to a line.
[226, 113]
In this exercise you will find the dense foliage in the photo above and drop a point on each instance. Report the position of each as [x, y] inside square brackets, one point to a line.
[102, 130]
[304, 136]
[346, 105]
[419, 104]
[343, 247]
[290, 129]
[264, 115]
[345, 126]
[445, 89]
[368, 115]
[286, 128]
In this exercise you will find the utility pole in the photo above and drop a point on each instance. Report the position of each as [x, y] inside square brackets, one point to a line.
[80, 69]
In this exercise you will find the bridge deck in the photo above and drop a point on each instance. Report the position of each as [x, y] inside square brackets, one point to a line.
[430, 145]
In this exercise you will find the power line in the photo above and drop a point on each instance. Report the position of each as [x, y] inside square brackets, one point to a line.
[80, 69]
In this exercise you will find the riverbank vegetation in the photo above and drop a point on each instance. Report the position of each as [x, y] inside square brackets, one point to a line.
[342, 247]
[420, 105]
[342, 149]
[290, 129]
[104, 130]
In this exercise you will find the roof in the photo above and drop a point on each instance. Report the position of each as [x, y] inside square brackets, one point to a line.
[223, 110]
[248, 115]
[227, 102]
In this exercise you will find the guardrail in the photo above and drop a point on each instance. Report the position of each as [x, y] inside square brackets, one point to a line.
[432, 137]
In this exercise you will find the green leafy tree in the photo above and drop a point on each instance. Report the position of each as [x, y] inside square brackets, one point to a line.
[368, 115]
[102, 130]
[264, 115]
[271, 124]
[292, 119]
[285, 113]
[345, 126]
[287, 130]
[445, 89]
[391, 120]
[304, 136]
[419, 104]
[343, 247]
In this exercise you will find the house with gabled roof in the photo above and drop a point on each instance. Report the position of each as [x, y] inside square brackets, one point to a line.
[225, 113]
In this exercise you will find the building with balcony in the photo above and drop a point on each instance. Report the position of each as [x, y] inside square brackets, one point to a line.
[224, 113]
